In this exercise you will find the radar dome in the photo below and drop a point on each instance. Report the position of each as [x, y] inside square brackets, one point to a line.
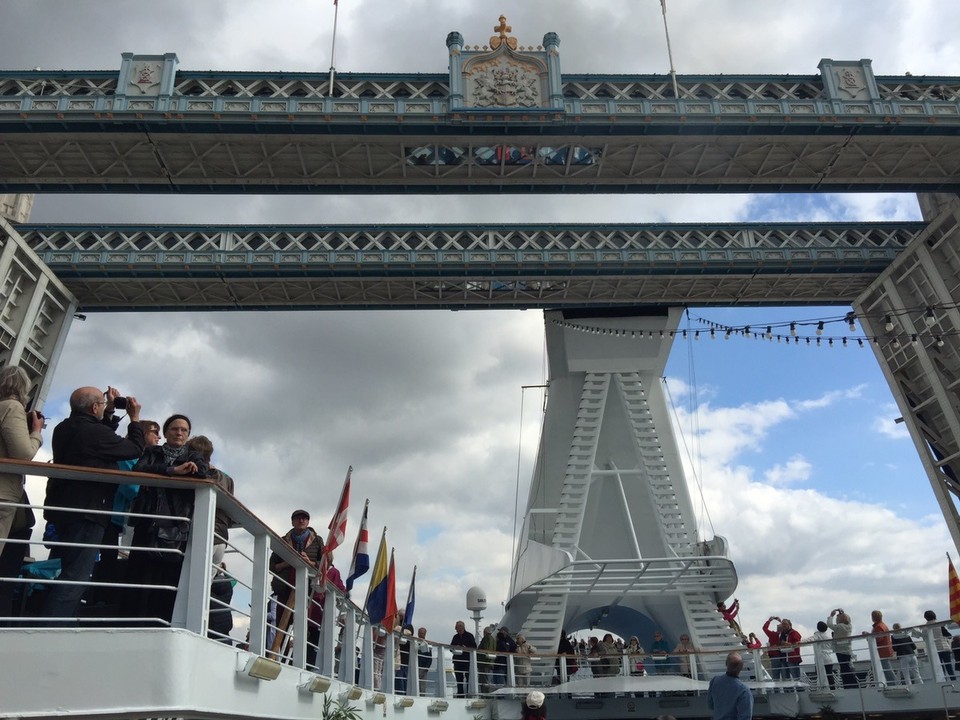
[476, 599]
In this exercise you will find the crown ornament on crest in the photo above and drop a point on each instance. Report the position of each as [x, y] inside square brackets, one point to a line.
[498, 40]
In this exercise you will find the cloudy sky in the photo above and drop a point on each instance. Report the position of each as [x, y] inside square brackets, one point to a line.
[800, 462]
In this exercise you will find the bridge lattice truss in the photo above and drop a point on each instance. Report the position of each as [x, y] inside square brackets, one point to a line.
[536, 266]
[261, 132]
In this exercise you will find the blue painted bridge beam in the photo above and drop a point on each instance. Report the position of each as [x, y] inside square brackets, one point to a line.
[138, 267]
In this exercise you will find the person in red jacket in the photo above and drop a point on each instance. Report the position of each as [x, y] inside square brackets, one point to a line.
[789, 639]
[778, 670]
[884, 646]
[730, 615]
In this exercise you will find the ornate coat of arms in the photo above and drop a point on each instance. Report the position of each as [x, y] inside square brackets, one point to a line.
[145, 78]
[504, 77]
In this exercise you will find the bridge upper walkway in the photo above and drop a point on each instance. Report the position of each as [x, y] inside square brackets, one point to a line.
[465, 266]
[152, 127]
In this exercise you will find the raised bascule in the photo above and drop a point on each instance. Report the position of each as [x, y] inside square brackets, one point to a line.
[504, 119]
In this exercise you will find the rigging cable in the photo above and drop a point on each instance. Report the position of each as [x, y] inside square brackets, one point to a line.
[694, 459]
[515, 544]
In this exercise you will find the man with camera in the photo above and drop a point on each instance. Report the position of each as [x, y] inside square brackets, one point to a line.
[86, 439]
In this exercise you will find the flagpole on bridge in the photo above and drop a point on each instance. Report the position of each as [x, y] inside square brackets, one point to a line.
[666, 31]
[333, 45]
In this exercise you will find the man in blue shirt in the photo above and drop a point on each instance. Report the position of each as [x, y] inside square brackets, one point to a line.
[727, 697]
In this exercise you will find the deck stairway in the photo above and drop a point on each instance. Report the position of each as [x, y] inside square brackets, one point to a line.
[673, 528]
[544, 624]
[676, 568]
[708, 631]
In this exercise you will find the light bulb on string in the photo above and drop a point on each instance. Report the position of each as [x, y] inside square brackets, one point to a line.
[696, 335]
[726, 335]
[844, 342]
[888, 324]
[820, 328]
[929, 318]
[769, 332]
[896, 343]
[849, 318]
[793, 329]
[713, 335]
[860, 342]
[913, 339]
[939, 341]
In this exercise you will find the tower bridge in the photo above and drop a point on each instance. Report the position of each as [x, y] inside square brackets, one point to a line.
[506, 119]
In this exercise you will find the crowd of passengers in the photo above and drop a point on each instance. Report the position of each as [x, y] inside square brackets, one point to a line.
[897, 649]
[86, 519]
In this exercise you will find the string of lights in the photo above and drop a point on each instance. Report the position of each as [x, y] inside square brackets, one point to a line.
[807, 332]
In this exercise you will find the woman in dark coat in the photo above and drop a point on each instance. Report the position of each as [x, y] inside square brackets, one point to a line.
[147, 565]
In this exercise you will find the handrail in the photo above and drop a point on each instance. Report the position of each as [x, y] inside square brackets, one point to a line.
[239, 513]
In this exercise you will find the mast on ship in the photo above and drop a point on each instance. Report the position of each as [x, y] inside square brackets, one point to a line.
[609, 535]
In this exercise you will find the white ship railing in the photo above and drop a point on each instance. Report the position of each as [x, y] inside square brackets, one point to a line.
[649, 576]
[346, 648]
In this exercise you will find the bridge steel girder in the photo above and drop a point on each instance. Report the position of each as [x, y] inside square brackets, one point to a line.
[162, 157]
[465, 266]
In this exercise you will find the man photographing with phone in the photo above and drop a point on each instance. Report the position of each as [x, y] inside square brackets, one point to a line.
[87, 439]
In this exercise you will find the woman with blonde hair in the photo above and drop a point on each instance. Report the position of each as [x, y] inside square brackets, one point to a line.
[19, 439]
[839, 623]
[522, 663]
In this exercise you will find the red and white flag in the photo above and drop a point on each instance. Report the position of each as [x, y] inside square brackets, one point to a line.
[338, 524]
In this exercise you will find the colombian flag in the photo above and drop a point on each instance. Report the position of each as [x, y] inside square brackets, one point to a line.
[382, 599]
[953, 585]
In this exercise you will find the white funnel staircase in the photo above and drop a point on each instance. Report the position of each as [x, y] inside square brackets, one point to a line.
[609, 529]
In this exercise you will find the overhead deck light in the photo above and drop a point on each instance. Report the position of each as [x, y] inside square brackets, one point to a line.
[438, 706]
[404, 702]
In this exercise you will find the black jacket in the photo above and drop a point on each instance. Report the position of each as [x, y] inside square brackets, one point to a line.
[179, 501]
[83, 440]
